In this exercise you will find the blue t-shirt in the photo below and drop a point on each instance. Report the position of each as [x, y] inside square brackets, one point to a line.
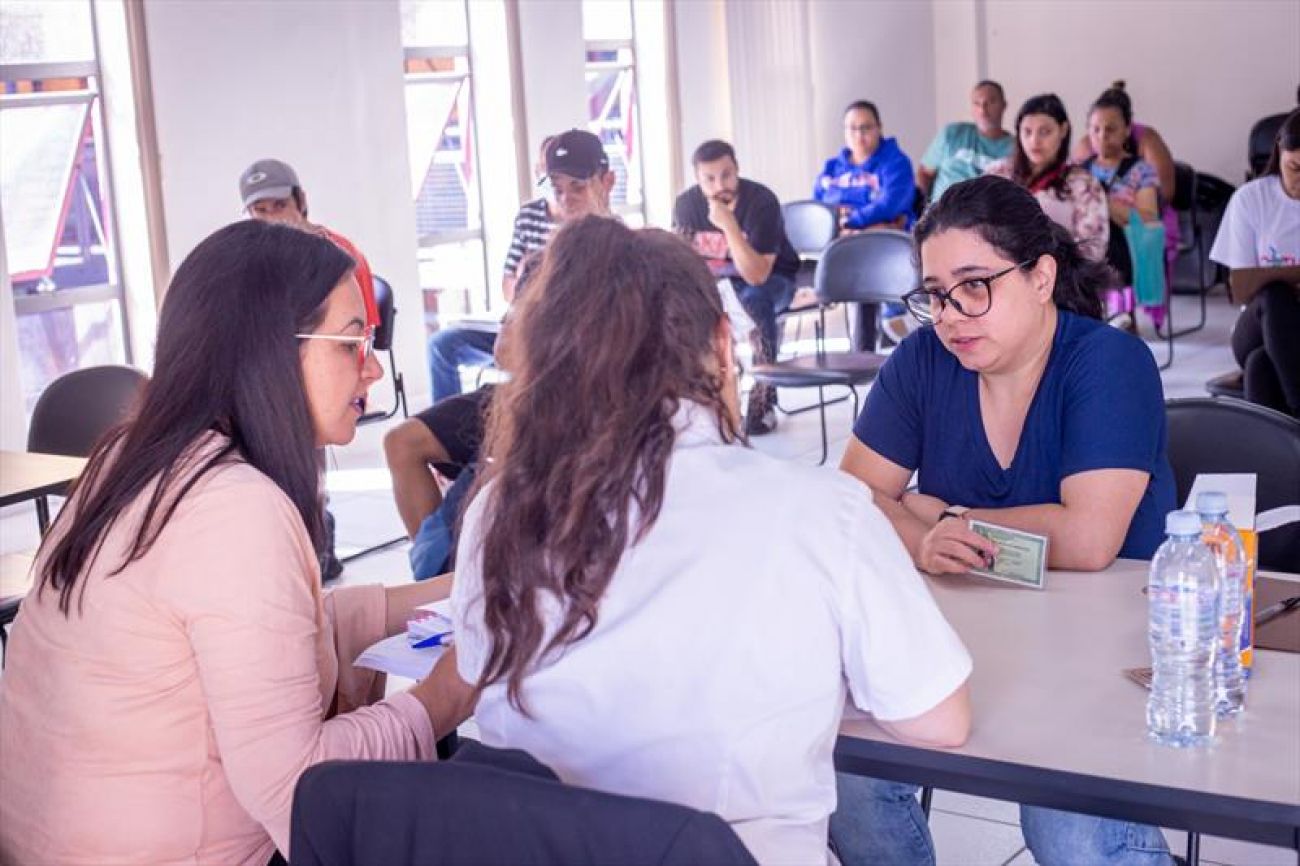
[1099, 405]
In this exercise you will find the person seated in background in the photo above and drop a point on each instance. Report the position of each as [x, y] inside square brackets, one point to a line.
[1069, 195]
[1144, 142]
[1005, 405]
[870, 180]
[614, 444]
[578, 174]
[271, 193]
[1261, 229]
[964, 150]
[449, 432]
[735, 224]
[178, 666]
[1130, 182]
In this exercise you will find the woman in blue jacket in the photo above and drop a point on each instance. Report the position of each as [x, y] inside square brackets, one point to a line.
[871, 180]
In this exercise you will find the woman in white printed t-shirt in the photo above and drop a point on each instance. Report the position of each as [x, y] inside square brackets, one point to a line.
[643, 600]
[1261, 229]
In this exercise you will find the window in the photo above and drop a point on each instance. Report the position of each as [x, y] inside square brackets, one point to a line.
[612, 99]
[443, 153]
[55, 201]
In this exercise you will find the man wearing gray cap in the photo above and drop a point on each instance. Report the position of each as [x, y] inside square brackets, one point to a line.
[271, 193]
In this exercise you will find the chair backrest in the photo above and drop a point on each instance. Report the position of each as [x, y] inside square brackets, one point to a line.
[810, 225]
[79, 407]
[451, 812]
[1260, 143]
[868, 267]
[1220, 434]
[1184, 187]
[384, 301]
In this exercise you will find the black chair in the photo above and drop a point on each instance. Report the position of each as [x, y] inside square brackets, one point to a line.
[70, 416]
[1221, 434]
[490, 806]
[79, 407]
[868, 269]
[1260, 143]
[384, 343]
[810, 226]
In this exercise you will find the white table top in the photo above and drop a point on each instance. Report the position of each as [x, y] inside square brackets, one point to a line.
[1048, 689]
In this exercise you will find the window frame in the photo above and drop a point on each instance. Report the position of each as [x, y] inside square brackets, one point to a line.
[589, 45]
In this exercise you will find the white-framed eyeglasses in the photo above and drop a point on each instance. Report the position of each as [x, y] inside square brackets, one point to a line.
[364, 343]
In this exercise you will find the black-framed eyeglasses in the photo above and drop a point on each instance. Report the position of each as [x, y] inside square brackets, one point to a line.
[972, 298]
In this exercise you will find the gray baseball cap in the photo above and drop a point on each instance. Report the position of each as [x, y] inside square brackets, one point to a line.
[267, 178]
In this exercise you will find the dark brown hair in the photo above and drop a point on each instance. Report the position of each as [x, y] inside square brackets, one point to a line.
[226, 361]
[1287, 138]
[615, 335]
[1022, 171]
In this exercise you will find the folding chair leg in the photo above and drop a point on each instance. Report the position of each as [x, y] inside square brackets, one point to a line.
[383, 545]
[1193, 849]
[927, 795]
[821, 405]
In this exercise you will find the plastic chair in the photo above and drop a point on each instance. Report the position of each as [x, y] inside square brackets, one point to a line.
[810, 226]
[869, 268]
[70, 416]
[1260, 143]
[1222, 434]
[384, 343]
[79, 407]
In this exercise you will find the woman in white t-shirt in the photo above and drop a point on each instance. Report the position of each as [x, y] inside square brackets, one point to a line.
[643, 600]
[1261, 229]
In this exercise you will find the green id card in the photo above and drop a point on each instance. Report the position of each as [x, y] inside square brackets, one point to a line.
[1021, 558]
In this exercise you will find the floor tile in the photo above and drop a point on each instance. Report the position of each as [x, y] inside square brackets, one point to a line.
[963, 841]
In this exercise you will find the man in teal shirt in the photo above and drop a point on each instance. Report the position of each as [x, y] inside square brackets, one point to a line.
[963, 150]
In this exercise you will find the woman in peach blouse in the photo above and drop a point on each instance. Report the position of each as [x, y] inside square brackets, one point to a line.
[178, 666]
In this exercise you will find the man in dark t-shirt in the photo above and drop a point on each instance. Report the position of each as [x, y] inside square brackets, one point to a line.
[736, 225]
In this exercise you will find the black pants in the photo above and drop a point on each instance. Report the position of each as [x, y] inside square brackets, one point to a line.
[1266, 343]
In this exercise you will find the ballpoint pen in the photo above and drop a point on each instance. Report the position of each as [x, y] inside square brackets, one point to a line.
[1273, 611]
[445, 639]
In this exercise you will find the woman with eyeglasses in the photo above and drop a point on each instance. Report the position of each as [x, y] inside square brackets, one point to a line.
[1016, 405]
[177, 665]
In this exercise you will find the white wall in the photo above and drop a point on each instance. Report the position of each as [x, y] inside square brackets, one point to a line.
[880, 51]
[1200, 72]
[774, 76]
[704, 88]
[554, 60]
[318, 85]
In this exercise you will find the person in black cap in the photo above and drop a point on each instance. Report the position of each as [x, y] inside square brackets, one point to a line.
[448, 434]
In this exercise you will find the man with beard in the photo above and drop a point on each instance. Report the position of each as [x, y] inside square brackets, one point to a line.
[736, 225]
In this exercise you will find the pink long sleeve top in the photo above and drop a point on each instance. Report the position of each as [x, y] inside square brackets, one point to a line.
[167, 718]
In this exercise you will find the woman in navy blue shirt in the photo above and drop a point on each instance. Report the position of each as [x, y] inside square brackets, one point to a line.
[1015, 404]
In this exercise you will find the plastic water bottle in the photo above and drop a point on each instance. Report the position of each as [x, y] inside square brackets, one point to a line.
[1183, 633]
[1229, 552]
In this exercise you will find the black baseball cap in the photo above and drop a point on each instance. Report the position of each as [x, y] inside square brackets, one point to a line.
[576, 153]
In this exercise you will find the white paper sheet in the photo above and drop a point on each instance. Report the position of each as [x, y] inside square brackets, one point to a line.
[395, 656]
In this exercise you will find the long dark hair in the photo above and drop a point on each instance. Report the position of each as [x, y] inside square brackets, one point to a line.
[1008, 218]
[1288, 138]
[1022, 171]
[226, 361]
[613, 337]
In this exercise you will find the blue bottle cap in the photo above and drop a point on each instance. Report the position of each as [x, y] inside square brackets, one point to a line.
[1212, 502]
[1183, 523]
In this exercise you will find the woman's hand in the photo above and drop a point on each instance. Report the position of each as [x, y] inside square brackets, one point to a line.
[952, 547]
[447, 698]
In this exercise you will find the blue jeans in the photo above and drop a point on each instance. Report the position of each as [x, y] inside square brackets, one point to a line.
[763, 302]
[882, 822]
[451, 347]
